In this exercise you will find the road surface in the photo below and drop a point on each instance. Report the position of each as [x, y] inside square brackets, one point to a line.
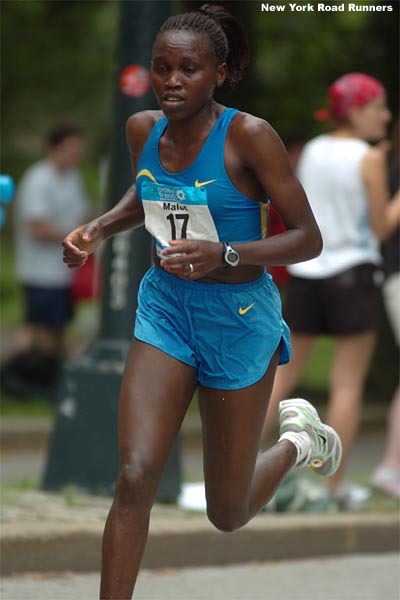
[355, 577]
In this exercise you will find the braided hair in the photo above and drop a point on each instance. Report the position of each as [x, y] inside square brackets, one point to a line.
[224, 32]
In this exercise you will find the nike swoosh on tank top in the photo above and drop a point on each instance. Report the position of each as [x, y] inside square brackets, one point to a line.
[236, 217]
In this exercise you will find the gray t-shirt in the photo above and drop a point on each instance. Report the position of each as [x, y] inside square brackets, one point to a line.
[59, 199]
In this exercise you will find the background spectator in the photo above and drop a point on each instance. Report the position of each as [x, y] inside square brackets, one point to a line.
[338, 293]
[50, 201]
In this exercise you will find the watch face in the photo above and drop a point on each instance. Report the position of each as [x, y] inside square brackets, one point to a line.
[232, 257]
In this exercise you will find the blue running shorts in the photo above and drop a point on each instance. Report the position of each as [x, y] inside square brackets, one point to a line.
[227, 332]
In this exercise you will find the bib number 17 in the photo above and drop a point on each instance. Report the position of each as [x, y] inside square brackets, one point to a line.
[176, 221]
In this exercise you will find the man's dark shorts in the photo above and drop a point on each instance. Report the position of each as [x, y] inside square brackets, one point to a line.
[50, 307]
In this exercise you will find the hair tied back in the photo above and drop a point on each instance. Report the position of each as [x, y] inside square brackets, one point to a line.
[208, 14]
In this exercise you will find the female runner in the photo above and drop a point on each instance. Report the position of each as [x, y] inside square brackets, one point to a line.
[209, 315]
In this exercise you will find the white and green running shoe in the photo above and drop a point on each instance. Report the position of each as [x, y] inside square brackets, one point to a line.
[318, 445]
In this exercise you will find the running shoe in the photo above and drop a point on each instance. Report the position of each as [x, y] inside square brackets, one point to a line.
[318, 445]
[351, 497]
[387, 480]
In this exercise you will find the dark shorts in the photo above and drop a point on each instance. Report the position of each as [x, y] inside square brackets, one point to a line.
[344, 304]
[50, 307]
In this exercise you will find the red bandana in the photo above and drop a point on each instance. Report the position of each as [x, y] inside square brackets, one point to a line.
[353, 89]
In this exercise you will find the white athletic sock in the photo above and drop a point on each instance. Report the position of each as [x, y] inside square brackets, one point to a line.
[301, 441]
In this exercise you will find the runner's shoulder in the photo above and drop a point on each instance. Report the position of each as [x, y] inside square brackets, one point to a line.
[248, 128]
[140, 124]
[252, 135]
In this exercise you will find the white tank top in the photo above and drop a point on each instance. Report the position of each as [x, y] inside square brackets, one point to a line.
[330, 172]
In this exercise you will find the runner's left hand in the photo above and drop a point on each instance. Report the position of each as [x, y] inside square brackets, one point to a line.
[203, 256]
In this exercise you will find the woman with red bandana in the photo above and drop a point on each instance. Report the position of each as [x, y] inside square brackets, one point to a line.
[338, 292]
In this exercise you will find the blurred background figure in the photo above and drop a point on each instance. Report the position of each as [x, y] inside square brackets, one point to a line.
[50, 200]
[338, 293]
[386, 476]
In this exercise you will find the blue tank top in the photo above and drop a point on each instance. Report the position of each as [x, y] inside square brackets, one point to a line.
[237, 218]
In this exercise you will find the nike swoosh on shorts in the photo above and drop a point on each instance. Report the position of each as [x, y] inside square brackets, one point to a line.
[243, 311]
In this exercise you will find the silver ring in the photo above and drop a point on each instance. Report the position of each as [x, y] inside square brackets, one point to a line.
[191, 267]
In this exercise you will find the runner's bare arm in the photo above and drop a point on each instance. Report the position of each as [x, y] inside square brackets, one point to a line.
[264, 155]
[125, 215]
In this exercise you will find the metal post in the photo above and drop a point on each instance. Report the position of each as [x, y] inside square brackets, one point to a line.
[83, 449]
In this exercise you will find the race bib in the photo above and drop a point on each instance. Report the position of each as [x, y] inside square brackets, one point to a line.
[175, 213]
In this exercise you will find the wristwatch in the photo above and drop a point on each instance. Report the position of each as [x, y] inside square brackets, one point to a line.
[230, 256]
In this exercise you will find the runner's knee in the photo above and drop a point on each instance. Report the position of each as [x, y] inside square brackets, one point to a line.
[136, 485]
[226, 517]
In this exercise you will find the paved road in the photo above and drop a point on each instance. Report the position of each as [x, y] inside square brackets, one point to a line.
[358, 577]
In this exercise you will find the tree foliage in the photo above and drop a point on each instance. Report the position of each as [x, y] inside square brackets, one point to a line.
[298, 55]
[58, 64]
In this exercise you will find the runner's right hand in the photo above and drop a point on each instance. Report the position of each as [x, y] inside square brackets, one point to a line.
[80, 243]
